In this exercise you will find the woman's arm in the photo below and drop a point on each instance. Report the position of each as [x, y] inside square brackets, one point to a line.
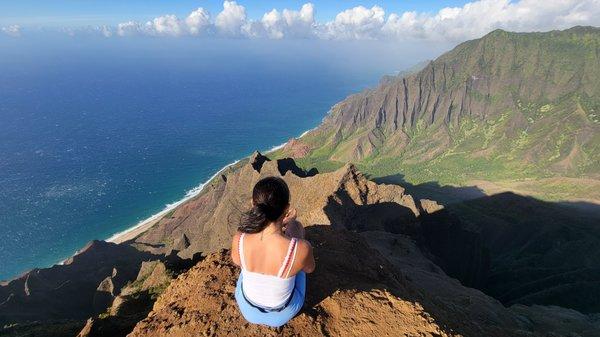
[308, 263]
[294, 229]
[235, 252]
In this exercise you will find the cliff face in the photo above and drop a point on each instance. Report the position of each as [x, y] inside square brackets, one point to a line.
[365, 283]
[211, 219]
[356, 290]
[507, 101]
[541, 252]
[382, 259]
[83, 286]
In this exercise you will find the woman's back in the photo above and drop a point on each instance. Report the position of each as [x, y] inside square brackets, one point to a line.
[262, 285]
[265, 255]
[269, 247]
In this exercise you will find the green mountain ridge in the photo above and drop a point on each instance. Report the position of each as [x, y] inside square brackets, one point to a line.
[505, 107]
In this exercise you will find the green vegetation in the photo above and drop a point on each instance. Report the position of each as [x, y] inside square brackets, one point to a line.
[530, 111]
[136, 288]
[169, 214]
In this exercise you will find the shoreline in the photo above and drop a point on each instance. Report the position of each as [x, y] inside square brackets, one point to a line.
[142, 226]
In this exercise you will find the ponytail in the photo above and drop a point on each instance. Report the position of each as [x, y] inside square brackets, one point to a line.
[270, 198]
[253, 221]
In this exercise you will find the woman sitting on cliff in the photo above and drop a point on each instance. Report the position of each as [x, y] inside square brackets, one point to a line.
[274, 257]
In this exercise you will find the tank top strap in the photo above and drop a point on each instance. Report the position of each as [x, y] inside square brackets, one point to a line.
[293, 259]
[291, 250]
[241, 251]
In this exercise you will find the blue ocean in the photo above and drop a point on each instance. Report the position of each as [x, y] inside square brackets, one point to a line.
[96, 136]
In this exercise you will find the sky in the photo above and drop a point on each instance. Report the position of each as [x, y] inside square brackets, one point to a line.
[408, 20]
[76, 12]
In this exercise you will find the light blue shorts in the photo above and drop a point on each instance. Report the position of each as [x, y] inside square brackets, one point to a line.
[273, 318]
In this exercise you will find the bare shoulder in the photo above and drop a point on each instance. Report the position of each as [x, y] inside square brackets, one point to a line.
[304, 247]
[235, 256]
[235, 239]
[304, 257]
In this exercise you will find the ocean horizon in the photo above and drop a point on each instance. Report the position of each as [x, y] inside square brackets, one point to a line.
[96, 137]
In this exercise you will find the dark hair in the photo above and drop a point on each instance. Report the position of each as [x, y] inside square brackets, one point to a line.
[270, 198]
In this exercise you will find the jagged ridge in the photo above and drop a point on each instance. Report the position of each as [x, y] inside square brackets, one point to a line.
[504, 106]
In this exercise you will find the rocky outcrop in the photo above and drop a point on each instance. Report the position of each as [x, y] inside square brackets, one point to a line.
[295, 148]
[210, 219]
[81, 287]
[355, 291]
[135, 299]
[351, 294]
[383, 258]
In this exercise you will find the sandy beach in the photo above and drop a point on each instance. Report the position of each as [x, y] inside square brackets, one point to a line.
[144, 225]
[138, 229]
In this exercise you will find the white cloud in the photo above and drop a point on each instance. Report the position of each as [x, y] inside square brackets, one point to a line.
[477, 18]
[356, 23]
[273, 24]
[231, 20]
[289, 23]
[168, 25]
[106, 31]
[129, 28]
[453, 24]
[12, 30]
[198, 21]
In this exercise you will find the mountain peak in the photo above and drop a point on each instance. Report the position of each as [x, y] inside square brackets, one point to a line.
[497, 31]
[583, 29]
[493, 104]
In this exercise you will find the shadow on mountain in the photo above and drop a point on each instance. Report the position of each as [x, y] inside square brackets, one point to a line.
[345, 262]
[542, 252]
[583, 207]
[135, 308]
[75, 289]
[539, 252]
[289, 165]
[57, 328]
[445, 194]
[85, 285]
[458, 250]
[392, 217]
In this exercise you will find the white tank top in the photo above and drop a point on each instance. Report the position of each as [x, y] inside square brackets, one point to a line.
[268, 291]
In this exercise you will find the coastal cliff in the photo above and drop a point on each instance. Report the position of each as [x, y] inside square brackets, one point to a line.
[375, 248]
[392, 258]
[501, 108]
